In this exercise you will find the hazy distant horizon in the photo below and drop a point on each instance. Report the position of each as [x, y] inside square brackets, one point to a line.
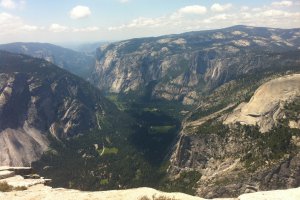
[89, 21]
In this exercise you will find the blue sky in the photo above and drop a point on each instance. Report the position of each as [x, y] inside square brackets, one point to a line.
[79, 21]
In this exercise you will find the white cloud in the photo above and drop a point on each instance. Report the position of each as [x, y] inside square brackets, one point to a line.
[189, 18]
[12, 4]
[86, 29]
[244, 8]
[195, 9]
[219, 17]
[10, 24]
[8, 4]
[80, 12]
[282, 3]
[57, 28]
[220, 8]
[29, 28]
[124, 1]
[179, 22]
[142, 22]
[275, 13]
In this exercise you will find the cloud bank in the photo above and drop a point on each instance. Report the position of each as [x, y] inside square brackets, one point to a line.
[80, 12]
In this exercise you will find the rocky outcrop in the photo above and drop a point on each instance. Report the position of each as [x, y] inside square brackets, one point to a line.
[42, 192]
[228, 149]
[180, 67]
[36, 190]
[266, 106]
[37, 99]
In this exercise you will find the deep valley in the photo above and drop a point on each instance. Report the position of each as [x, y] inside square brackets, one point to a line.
[210, 113]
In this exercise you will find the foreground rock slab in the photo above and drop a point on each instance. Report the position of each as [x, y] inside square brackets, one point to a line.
[37, 190]
[41, 192]
[289, 194]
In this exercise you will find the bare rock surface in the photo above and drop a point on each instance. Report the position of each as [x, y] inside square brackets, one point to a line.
[36, 99]
[234, 159]
[290, 194]
[36, 190]
[5, 174]
[41, 192]
[21, 146]
[180, 67]
[266, 105]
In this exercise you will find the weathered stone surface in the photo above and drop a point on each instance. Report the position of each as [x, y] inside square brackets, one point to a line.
[5, 174]
[37, 192]
[180, 67]
[234, 158]
[267, 104]
[38, 98]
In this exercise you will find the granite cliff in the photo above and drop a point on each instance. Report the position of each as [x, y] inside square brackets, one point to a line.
[36, 99]
[182, 67]
[244, 148]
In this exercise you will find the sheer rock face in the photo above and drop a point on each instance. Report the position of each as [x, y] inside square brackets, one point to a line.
[37, 98]
[179, 67]
[234, 158]
[267, 104]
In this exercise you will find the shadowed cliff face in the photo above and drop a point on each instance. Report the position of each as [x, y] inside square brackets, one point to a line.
[37, 98]
[182, 66]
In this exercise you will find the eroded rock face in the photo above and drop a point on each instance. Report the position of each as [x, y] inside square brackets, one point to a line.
[36, 99]
[179, 67]
[266, 106]
[234, 157]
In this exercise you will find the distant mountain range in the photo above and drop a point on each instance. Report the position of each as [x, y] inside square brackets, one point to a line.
[181, 67]
[77, 63]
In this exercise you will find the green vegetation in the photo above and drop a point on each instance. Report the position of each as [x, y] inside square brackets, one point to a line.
[186, 183]
[292, 111]
[239, 89]
[269, 147]
[114, 98]
[4, 187]
[135, 146]
[151, 110]
[161, 129]
[107, 151]
[213, 127]
[104, 182]
[140, 101]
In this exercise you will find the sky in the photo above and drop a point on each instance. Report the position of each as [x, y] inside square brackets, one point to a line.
[80, 21]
